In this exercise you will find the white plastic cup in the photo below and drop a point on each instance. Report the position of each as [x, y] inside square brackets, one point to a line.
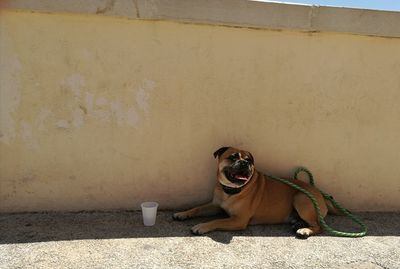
[149, 212]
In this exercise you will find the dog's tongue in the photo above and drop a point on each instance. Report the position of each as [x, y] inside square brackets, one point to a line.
[241, 177]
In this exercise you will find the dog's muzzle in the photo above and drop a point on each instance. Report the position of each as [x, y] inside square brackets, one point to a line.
[239, 172]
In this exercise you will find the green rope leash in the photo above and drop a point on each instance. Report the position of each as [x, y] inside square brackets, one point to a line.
[317, 209]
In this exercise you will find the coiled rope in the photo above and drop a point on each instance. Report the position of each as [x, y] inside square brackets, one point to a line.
[328, 197]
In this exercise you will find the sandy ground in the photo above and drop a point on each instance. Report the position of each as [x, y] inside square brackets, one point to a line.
[118, 239]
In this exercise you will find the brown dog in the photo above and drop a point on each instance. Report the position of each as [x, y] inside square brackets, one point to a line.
[250, 197]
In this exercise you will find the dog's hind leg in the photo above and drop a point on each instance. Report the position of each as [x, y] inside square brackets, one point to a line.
[296, 222]
[306, 211]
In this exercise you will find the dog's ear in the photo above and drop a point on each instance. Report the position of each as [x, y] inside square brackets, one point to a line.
[220, 151]
[251, 158]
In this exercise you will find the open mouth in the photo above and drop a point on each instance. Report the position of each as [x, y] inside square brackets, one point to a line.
[237, 178]
[240, 178]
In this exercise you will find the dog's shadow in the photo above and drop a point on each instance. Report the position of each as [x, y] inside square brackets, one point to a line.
[225, 237]
[56, 226]
[378, 223]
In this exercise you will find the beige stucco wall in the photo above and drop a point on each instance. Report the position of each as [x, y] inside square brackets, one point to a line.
[103, 113]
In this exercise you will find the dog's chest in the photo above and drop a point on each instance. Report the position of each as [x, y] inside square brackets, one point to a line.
[231, 205]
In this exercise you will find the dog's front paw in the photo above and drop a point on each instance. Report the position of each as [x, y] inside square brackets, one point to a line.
[200, 229]
[180, 216]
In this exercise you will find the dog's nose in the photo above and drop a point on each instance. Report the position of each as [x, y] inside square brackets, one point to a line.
[243, 163]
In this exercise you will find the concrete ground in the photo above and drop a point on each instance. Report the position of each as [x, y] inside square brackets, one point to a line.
[119, 240]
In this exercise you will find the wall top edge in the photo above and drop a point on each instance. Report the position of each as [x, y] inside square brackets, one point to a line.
[237, 13]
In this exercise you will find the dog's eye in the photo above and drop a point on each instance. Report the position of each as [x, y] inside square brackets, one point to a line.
[248, 159]
[233, 157]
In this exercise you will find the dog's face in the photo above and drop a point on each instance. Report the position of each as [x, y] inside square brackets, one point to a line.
[235, 166]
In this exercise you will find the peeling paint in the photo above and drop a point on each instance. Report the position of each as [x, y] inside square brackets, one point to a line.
[117, 112]
[78, 118]
[44, 114]
[101, 101]
[132, 117]
[27, 136]
[123, 117]
[89, 99]
[143, 95]
[89, 105]
[75, 83]
[63, 124]
[102, 111]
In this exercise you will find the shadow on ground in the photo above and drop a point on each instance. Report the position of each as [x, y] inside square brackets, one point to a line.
[58, 226]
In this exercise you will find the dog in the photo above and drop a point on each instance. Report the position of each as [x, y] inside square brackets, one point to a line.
[250, 197]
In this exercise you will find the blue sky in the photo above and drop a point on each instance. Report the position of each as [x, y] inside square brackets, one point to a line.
[369, 4]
